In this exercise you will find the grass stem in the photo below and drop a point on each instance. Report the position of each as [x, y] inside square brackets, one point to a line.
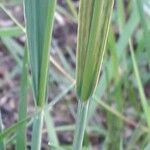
[21, 139]
[37, 131]
[140, 86]
[81, 122]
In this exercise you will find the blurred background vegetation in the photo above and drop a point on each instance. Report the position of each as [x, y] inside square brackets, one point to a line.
[118, 117]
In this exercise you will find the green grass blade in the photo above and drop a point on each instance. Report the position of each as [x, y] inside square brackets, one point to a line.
[21, 131]
[144, 24]
[39, 23]
[12, 17]
[6, 132]
[14, 48]
[120, 13]
[119, 115]
[81, 122]
[53, 140]
[127, 31]
[10, 31]
[94, 20]
[39, 15]
[45, 53]
[113, 128]
[144, 102]
[142, 16]
[72, 8]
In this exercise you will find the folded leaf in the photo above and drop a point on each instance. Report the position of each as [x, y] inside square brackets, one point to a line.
[94, 20]
[39, 16]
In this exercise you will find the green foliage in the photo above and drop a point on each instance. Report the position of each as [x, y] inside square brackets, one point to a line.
[21, 131]
[39, 16]
[117, 107]
[94, 19]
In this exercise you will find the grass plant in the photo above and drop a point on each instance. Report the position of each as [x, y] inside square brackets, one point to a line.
[39, 16]
[94, 21]
[112, 110]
